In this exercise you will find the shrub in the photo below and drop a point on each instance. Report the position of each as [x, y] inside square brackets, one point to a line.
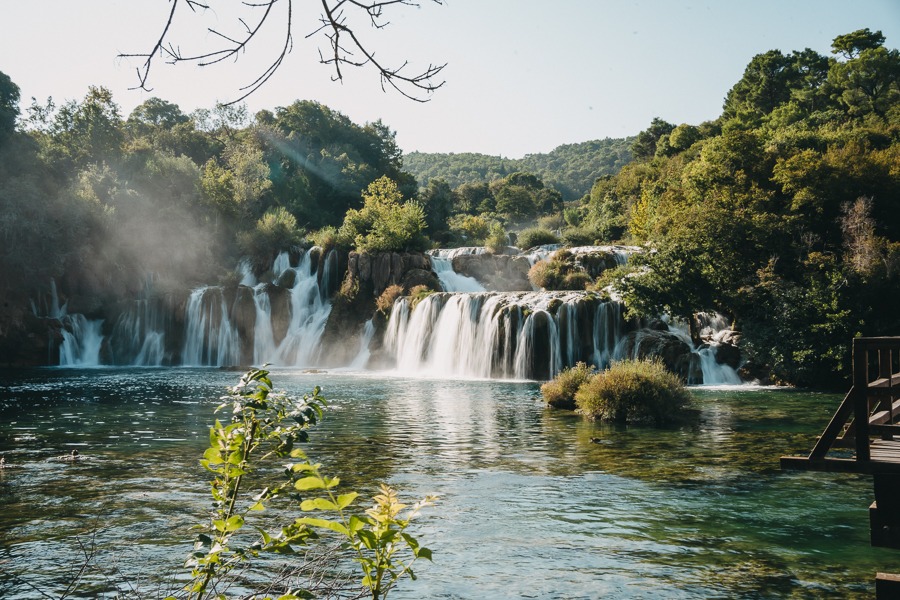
[470, 229]
[560, 391]
[417, 294]
[386, 300]
[633, 391]
[559, 273]
[497, 240]
[329, 238]
[276, 231]
[580, 236]
[576, 280]
[551, 222]
[535, 236]
[541, 274]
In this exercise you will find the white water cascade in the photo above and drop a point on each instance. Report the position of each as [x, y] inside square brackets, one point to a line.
[522, 335]
[210, 339]
[310, 308]
[713, 329]
[451, 281]
[82, 340]
[215, 334]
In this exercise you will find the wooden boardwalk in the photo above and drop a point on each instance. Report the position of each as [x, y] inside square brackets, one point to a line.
[860, 439]
[870, 410]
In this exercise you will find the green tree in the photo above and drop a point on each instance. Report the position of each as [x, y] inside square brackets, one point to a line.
[644, 145]
[9, 104]
[869, 83]
[850, 45]
[438, 201]
[386, 222]
[90, 131]
[276, 231]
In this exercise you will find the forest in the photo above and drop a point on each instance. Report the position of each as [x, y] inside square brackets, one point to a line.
[781, 213]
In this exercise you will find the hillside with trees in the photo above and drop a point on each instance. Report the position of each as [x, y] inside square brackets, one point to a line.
[571, 168]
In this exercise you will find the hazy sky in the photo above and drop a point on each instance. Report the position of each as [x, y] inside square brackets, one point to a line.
[523, 76]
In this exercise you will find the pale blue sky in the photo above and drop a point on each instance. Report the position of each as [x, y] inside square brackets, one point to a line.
[523, 76]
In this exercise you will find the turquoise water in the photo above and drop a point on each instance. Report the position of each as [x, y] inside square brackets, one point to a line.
[533, 503]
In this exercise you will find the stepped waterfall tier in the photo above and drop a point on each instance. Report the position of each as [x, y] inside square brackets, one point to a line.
[463, 331]
[528, 335]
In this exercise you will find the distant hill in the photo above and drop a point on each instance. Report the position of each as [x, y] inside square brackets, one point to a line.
[570, 168]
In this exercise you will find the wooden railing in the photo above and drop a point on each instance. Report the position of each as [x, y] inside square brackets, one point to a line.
[872, 401]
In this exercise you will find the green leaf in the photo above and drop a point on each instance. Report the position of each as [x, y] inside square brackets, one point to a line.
[318, 504]
[309, 483]
[234, 523]
[356, 523]
[344, 500]
[368, 538]
[212, 456]
[423, 553]
[324, 524]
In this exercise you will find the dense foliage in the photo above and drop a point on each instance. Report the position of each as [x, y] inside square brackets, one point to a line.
[781, 213]
[560, 391]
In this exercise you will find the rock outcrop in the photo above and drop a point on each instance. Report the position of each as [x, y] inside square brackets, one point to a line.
[496, 272]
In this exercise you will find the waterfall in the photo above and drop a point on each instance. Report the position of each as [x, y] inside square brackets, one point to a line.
[363, 354]
[715, 373]
[712, 328]
[246, 272]
[213, 331]
[451, 281]
[521, 335]
[264, 349]
[82, 340]
[309, 312]
[138, 337]
[210, 339]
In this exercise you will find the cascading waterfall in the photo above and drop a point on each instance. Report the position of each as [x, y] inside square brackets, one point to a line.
[82, 340]
[451, 281]
[138, 337]
[210, 339]
[520, 335]
[712, 327]
[310, 308]
[213, 334]
[362, 355]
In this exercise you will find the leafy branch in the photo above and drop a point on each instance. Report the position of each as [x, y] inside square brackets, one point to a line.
[267, 425]
[333, 25]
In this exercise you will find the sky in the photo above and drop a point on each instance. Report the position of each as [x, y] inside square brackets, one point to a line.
[522, 76]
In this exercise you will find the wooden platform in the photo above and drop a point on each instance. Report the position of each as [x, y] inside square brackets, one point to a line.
[861, 435]
[864, 437]
[884, 458]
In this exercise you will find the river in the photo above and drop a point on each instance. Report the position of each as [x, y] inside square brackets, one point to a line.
[533, 503]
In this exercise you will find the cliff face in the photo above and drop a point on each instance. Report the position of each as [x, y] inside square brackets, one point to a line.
[366, 278]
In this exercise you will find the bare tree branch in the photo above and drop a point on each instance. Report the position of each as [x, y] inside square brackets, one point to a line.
[333, 25]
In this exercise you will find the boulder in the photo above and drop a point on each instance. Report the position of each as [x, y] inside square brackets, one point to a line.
[674, 352]
[414, 277]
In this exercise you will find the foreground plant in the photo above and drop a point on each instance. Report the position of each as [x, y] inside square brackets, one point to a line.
[266, 426]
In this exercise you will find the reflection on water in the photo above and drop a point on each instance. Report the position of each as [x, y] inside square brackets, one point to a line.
[534, 503]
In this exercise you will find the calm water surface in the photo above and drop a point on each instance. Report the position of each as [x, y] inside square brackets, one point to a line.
[533, 503]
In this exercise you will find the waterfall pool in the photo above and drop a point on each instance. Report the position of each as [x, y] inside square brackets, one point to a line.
[533, 503]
